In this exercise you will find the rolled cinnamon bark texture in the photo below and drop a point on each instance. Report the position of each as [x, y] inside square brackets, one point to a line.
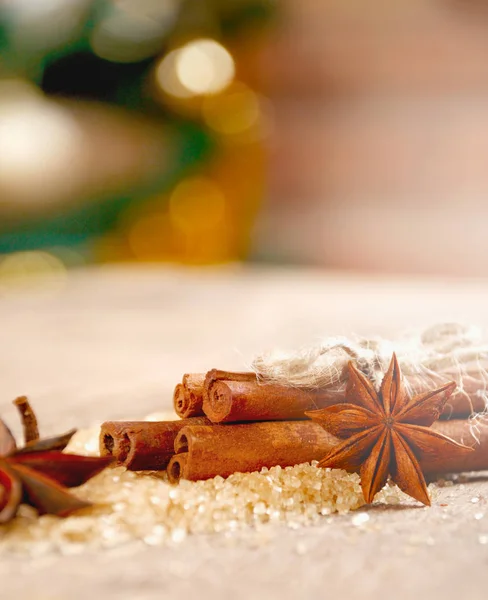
[469, 397]
[188, 396]
[231, 397]
[203, 452]
[237, 397]
[472, 433]
[142, 445]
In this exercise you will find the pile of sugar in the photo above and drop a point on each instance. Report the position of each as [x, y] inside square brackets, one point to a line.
[145, 507]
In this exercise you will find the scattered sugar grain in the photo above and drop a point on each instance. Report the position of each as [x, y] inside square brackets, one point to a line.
[359, 519]
[146, 508]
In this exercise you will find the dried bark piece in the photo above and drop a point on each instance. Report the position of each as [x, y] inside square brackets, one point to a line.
[236, 397]
[188, 396]
[29, 420]
[205, 451]
[228, 397]
[143, 445]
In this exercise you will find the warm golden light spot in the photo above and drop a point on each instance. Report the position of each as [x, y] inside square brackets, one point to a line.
[22, 270]
[200, 67]
[167, 78]
[151, 237]
[196, 203]
[233, 112]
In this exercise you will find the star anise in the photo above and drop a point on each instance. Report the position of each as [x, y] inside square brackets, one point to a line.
[39, 473]
[387, 433]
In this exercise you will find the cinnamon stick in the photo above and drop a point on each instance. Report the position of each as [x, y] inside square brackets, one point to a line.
[238, 397]
[230, 397]
[188, 396]
[203, 452]
[468, 399]
[29, 419]
[473, 433]
[142, 445]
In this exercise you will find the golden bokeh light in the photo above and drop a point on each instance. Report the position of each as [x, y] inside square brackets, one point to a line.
[191, 225]
[35, 269]
[205, 67]
[200, 67]
[233, 112]
[151, 237]
[167, 77]
[196, 204]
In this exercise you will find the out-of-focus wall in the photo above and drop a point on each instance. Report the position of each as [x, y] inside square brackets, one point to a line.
[380, 151]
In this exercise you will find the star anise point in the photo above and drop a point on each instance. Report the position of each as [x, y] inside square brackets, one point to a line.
[385, 432]
[39, 473]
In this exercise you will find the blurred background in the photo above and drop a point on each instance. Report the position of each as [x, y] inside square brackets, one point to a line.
[345, 134]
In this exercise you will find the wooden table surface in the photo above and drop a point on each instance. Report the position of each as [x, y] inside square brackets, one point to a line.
[112, 342]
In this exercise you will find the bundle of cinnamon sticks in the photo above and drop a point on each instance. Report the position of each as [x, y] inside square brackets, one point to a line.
[232, 422]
